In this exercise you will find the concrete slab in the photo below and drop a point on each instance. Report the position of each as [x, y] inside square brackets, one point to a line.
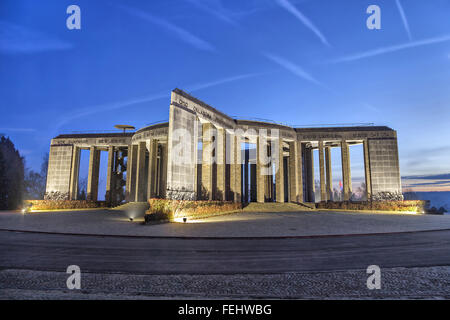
[287, 224]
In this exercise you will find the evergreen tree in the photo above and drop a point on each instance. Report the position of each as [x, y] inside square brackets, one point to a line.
[3, 183]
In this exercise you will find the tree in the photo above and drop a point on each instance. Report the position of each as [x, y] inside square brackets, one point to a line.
[82, 187]
[3, 182]
[44, 167]
[35, 183]
[12, 176]
[360, 193]
[337, 195]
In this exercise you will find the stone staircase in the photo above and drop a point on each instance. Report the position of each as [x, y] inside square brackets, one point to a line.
[278, 207]
[138, 207]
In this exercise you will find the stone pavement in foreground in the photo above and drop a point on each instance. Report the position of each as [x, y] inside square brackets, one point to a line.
[307, 223]
[396, 283]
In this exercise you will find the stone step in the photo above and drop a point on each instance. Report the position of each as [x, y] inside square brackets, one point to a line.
[277, 207]
[140, 206]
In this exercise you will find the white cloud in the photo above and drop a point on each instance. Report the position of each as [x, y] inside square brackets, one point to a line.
[404, 20]
[292, 67]
[384, 50]
[179, 32]
[285, 4]
[24, 130]
[149, 98]
[15, 39]
[214, 8]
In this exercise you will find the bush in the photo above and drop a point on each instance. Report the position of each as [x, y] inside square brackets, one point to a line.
[63, 204]
[165, 209]
[419, 206]
[434, 210]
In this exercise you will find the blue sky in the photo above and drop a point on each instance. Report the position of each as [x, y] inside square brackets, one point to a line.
[296, 62]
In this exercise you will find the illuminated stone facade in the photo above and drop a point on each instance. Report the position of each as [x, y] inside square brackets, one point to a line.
[202, 153]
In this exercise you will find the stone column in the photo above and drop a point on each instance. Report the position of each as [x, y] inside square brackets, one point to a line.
[246, 173]
[367, 170]
[128, 172]
[110, 176]
[221, 164]
[94, 167]
[268, 194]
[279, 174]
[329, 173]
[300, 170]
[346, 175]
[294, 179]
[309, 172]
[152, 164]
[323, 191]
[207, 153]
[253, 182]
[141, 177]
[131, 173]
[261, 151]
[164, 164]
[74, 174]
[237, 166]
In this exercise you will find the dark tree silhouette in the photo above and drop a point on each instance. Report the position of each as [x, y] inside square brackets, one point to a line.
[82, 189]
[12, 176]
[35, 183]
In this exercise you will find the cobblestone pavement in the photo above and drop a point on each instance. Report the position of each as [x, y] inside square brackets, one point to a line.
[397, 283]
[104, 222]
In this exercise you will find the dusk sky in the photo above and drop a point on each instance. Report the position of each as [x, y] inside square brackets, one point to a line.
[296, 62]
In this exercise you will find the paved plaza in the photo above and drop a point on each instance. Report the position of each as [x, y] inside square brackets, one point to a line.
[227, 256]
[242, 224]
[398, 283]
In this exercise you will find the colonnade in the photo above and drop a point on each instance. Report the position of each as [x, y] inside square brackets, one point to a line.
[226, 171]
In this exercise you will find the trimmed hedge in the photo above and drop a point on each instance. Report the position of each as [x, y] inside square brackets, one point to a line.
[64, 204]
[164, 209]
[419, 206]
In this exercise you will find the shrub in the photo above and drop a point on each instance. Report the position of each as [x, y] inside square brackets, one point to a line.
[165, 209]
[63, 204]
[419, 206]
[434, 210]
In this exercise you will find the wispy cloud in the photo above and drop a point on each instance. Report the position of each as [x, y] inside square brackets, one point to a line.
[384, 50]
[292, 67]
[149, 98]
[285, 4]
[206, 85]
[107, 107]
[214, 8]
[25, 130]
[16, 39]
[179, 32]
[405, 21]
[370, 107]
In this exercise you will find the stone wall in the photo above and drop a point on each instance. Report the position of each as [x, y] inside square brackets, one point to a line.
[182, 153]
[59, 169]
[384, 169]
